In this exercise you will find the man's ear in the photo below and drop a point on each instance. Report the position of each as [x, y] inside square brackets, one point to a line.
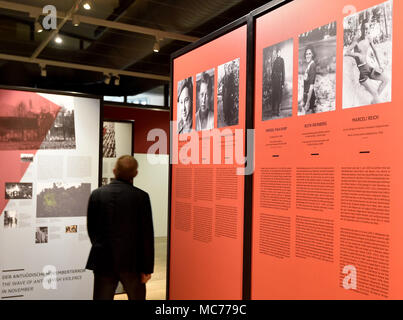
[114, 172]
[135, 174]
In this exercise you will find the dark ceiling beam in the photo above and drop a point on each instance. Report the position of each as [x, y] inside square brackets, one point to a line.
[117, 13]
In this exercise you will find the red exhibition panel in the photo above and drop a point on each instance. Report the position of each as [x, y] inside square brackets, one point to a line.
[206, 244]
[327, 202]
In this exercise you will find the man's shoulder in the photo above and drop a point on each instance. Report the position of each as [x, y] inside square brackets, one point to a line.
[140, 192]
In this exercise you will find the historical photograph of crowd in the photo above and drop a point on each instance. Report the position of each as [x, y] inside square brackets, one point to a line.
[41, 235]
[109, 142]
[62, 134]
[25, 126]
[185, 106]
[205, 100]
[228, 94]
[63, 200]
[317, 70]
[367, 66]
[277, 80]
[10, 219]
[15, 190]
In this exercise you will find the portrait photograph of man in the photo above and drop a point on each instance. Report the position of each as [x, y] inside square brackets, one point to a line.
[277, 81]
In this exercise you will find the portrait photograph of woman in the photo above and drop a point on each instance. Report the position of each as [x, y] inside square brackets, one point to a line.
[185, 106]
[317, 70]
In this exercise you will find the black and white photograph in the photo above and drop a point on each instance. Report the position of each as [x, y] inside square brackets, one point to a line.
[18, 190]
[277, 80]
[109, 141]
[317, 70]
[185, 106]
[62, 200]
[62, 134]
[71, 229]
[228, 94]
[205, 100]
[367, 61]
[41, 235]
[30, 122]
[10, 219]
[27, 157]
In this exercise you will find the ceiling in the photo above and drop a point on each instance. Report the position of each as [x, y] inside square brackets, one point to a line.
[106, 47]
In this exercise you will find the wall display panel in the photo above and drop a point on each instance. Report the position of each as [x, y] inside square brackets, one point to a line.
[117, 140]
[49, 151]
[207, 195]
[326, 195]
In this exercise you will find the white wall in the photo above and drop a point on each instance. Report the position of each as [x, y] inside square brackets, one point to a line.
[153, 178]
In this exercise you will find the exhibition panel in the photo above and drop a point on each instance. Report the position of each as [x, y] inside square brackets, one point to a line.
[207, 178]
[50, 153]
[326, 196]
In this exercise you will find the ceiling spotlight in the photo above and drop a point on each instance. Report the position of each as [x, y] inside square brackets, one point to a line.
[43, 70]
[107, 79]
[87, 5]
[58, 40]
[75, 20]
[156, 46]
[117, 80]
[38, 27]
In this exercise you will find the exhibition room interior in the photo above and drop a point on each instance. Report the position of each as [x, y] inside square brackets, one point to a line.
[267, 136]
[120, 52]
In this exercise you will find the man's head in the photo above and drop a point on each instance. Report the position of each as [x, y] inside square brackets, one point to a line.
[204, 94]
[126, 168]
[275, 51]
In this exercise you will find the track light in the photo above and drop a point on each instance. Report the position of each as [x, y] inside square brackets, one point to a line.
[43, 70]
[87, 5]
[156, 46]
[117, 80]
[38, 27]
[75, 20]
[107, 79]
[58, 40]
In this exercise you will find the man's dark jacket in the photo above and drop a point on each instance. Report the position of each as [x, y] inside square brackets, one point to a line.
[120, 227]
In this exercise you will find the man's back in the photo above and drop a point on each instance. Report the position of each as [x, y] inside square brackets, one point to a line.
[120, 228]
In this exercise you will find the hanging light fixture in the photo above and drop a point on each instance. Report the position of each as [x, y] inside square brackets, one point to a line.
[156, 47]
[43, 70]
[75, 20]
[38, 26]
[117, 80]
[107, 79]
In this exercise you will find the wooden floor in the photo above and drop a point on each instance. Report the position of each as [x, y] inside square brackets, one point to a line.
[157, 284]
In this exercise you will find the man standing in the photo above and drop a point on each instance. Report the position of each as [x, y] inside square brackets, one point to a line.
[120, 228]
[277, 81]
[228, 95]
